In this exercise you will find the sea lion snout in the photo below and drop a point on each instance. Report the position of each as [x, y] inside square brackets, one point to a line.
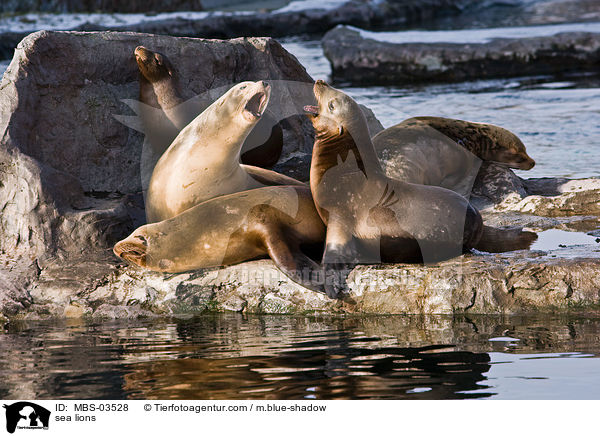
[143, 55]
[259, 95]
[132, 249]
[527, 164]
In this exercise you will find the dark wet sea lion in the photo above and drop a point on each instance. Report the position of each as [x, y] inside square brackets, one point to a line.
[446, 152]
[486, 141]
[370, 217]
[203, 162]
[160, 88]
[274, 221]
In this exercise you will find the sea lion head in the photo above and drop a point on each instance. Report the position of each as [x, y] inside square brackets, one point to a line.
[133, 249]
[335, 113]
[146, 247]
[245, 103]
[508, 149]
[154, 66]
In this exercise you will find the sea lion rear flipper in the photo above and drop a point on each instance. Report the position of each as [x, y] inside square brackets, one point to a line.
[286, 254]
[494, 240]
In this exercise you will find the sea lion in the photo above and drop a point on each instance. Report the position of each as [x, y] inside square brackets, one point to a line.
[446, 152]
[203, 160]
[160, 88]
[275, 221]
[370, 217]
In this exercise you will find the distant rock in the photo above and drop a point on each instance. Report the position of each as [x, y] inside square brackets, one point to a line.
[300, 17]
[562, 11]
[360, 60]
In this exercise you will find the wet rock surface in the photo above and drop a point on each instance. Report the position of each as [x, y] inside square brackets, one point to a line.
[357, 59]
[70, 187]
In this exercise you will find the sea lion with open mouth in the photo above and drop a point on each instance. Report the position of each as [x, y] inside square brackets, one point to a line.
[370, 217]
[160, 88]
[203, 162]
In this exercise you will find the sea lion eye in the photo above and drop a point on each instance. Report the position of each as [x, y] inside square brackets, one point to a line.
[243, 87]
[331, 106]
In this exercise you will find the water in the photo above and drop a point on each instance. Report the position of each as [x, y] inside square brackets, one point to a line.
[557, 118]
[554, 239]
[232, 356]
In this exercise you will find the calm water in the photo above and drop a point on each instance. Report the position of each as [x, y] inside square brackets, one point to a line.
[231, 356]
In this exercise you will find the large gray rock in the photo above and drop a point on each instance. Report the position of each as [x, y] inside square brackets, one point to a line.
[69, 171]
[508, 284]
[358, 59]
[502, 13]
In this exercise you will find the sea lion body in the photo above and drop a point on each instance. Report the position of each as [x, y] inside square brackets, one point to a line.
[370, 217]
[203, 160]
[272, 221]
[160, 88]
[446, 152]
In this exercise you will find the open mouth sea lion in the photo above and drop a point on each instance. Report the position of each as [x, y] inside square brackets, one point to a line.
[203, 161]
[370, 217]
[160, 88]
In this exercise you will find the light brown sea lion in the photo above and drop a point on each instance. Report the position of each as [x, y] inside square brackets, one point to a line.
[160, 88]
[203, 160]
[276, 221]
[370, 217]
[446, 152]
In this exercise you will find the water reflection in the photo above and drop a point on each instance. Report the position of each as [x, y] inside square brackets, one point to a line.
[231, 356]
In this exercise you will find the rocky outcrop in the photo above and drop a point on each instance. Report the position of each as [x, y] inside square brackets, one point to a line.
[499, 13]
[296, 19]
[70, 187]
[507, 284]
[357, 58]
[498, 189]
[69, 171]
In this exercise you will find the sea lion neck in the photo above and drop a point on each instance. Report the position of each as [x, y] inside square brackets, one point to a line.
[147, 93]
[331, 150]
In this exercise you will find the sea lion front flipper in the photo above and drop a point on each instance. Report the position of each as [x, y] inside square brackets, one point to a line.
[286, 254]
[340, 257]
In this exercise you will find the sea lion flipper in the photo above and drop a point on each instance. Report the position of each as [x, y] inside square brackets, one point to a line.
[286, 254]
[270, 178]
[495, 240]
[340, 257]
